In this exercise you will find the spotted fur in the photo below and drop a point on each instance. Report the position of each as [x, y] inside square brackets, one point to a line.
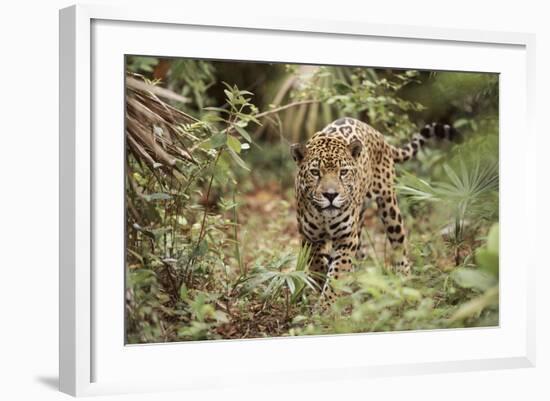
[340, 169]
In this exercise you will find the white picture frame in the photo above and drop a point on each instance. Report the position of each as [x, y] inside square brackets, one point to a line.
[93, 357]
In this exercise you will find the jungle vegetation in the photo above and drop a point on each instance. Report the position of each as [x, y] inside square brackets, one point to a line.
[213, 250]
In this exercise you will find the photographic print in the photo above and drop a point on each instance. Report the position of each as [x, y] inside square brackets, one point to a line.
[275, 199]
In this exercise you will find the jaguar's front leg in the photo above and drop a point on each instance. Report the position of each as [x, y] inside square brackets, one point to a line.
[343, 251]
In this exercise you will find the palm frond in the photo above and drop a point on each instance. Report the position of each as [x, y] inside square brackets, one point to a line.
[465, 190]
[157, 134]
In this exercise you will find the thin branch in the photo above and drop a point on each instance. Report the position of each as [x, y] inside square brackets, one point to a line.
[203, 224]
[286, 106]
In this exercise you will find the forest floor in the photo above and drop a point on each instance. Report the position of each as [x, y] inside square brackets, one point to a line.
[267, 230]
[233, 300]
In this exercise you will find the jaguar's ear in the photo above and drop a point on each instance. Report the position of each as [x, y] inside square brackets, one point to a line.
[298, 152]
[355, 148]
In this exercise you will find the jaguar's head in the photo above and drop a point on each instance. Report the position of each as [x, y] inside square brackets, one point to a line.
[327, 172]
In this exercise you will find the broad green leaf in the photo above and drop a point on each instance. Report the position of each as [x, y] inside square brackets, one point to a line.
[488, 257]
[234, 143]
[473, 278]
[488, 261]
[218, 140]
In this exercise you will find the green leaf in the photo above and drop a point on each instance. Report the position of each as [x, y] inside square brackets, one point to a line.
[461, 122]
[156, 196]
[475, 306]
[488, 261]
[237, 159]
[493, 239]
[184, 294]
[145, 231]
[212, 118]
[243, 133]
[488, 257]
[299, 319]
[135, 255]
[473, 278]
[201, 248]
[290, 284]
[218, 140]
[234, 144]
[334, 99]
[221, 317]
[412, 294]
[218, 109]
[206, 144]
[228, 94]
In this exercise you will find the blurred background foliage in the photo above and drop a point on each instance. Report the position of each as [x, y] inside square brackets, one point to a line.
[212, 245]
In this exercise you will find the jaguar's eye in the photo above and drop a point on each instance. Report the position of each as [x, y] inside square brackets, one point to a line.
[314, 172]
[343, 172]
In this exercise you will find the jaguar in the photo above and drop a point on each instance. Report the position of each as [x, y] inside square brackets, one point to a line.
[341, 170]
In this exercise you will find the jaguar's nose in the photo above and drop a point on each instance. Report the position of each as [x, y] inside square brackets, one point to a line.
[330, 195]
